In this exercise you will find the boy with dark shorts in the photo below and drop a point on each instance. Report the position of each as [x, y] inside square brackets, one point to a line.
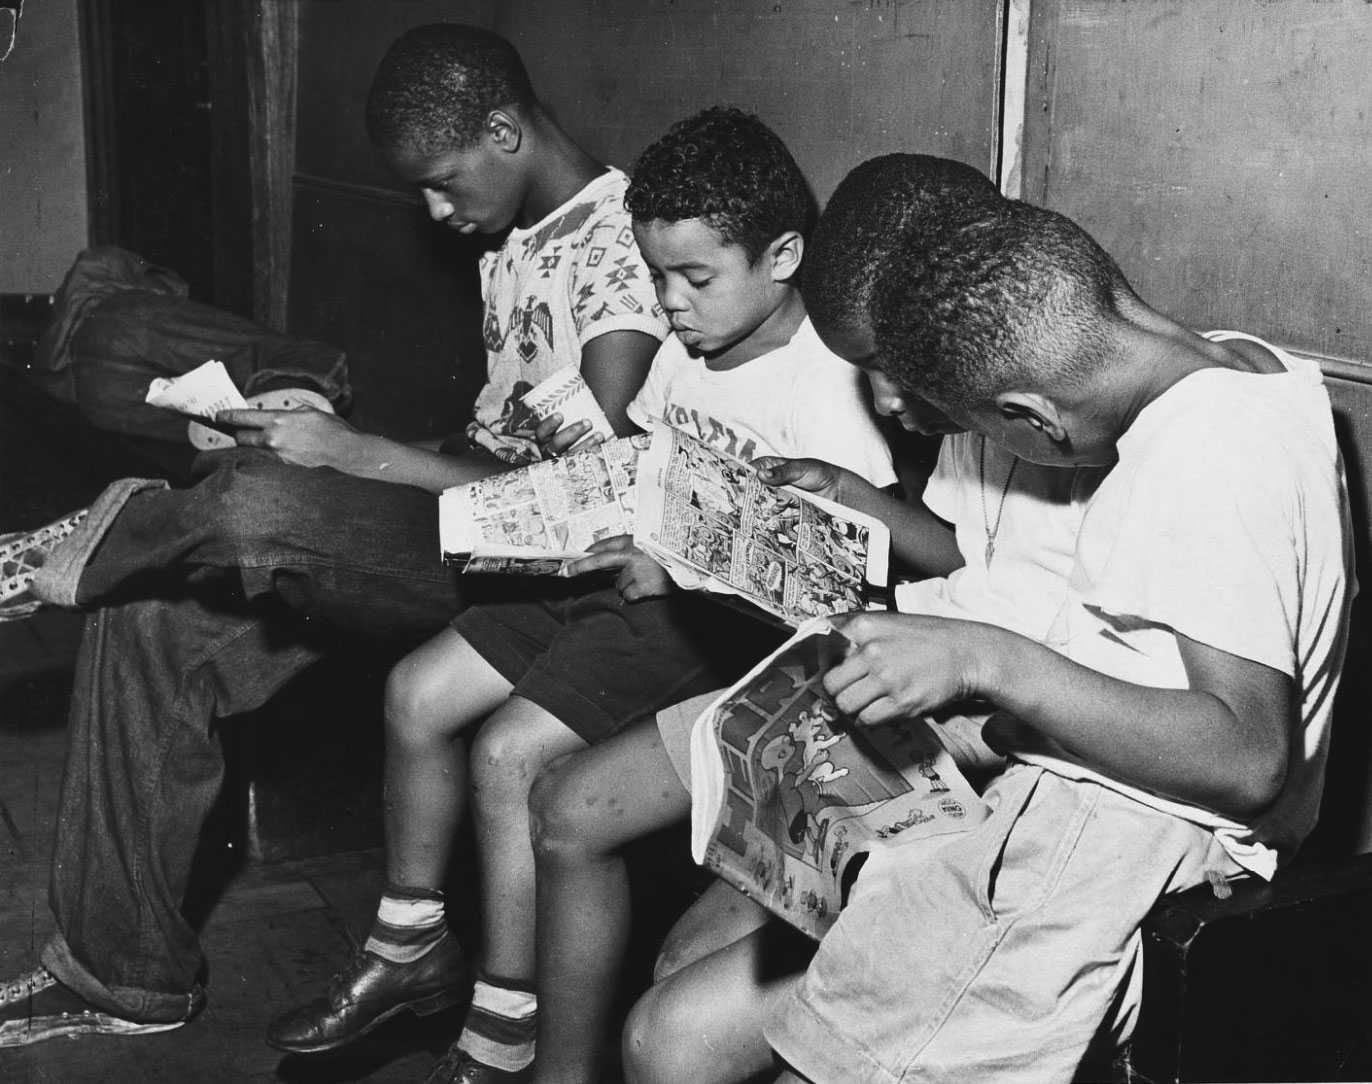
[720, 210]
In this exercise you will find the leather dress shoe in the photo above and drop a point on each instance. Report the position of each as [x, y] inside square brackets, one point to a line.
[459, 1067]
[368, 992]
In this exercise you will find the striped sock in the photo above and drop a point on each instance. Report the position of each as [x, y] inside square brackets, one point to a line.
[409, 922]
[499, 1030]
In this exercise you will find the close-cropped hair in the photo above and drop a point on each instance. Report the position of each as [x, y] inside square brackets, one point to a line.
[1019, 297]
[881, 203]
[437, 84]
[727, 168]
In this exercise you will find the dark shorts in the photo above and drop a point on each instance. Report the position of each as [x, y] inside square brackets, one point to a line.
[599, 663]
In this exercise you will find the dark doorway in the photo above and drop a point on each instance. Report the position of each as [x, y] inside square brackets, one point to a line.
[167, 99]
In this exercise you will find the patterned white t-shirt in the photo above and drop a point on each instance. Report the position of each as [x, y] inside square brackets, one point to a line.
[548, 291]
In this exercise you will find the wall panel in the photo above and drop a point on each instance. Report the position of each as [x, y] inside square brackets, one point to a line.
[43, 218]
[1220, 151]
[839, 81]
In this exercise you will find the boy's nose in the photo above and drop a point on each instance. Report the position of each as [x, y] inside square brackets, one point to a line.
[440, 206]
[888, 404]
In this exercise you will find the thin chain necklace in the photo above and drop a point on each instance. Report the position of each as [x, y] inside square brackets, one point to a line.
[993, 529]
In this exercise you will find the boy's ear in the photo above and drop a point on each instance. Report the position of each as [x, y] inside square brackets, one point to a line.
[504, 130]
[786, 252]
[1037, 411]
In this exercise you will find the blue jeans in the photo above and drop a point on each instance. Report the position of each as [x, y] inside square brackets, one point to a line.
[235, 578]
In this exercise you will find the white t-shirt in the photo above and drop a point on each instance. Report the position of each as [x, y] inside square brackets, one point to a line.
[1035, 519]
[1034, 513]
[800, 400]
[548, 291]
[1225, 520]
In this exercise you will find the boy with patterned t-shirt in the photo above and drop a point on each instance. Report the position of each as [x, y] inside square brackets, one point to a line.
[222, 573]
[550, 288]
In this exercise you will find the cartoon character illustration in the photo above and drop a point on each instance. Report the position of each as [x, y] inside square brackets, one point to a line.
[800, 762]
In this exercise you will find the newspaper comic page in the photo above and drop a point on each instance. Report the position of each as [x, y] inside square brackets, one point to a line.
[715, 525]
[535, 519]
[786, 793]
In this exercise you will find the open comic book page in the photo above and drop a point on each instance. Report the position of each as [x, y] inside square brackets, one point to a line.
[713, 524]
[535, 519]
[785, 793]
[567, 393]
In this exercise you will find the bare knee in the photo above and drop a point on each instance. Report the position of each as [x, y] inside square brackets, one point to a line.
[560, 804]
[504, 763]
[416, 711]
[657, 1046]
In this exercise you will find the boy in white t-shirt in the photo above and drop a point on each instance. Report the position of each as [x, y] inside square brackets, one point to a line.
[719, 210]
[1170, 727]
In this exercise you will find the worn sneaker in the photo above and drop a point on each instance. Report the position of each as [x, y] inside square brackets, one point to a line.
[22, 554]
[459, 1067]
[35, 1007]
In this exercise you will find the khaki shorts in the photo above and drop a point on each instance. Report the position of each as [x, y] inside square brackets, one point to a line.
[995, 955]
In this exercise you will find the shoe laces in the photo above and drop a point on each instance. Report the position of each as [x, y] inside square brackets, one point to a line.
[25, 986]
[343, 980]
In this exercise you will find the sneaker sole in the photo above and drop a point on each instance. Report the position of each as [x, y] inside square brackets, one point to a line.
[41, 1028]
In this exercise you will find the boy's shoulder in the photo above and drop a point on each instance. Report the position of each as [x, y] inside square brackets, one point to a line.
[598, 206]
[1229, 420]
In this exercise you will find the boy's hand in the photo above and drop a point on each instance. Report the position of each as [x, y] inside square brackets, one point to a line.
[306, 437]
[811, 475]
[639, 577]
[555, 439]
[902, 666]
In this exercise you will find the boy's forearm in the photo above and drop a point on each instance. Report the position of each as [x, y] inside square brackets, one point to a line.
[1186, 744]
[919, 539]
[391, 461]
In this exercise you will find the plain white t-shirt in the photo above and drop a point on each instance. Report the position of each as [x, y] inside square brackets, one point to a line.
[1225, 520]
[799, 400]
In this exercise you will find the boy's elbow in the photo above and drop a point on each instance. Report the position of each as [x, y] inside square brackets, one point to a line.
[1259, 783]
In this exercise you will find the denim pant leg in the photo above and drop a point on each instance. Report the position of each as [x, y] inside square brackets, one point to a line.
[362, 555]
[143, 769]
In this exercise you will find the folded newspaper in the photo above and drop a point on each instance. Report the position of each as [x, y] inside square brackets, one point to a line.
[786, 792]
[203, 392]
[537, 518]
[715, 525]
[567, 393]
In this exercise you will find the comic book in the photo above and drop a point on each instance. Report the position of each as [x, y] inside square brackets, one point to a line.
[535, 519]
[567, 393]
[786, 792]
[715, 525]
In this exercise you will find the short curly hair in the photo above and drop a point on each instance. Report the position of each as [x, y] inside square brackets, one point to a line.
[437, 84]
[727, 168]
[1018, 296]
[878, 205]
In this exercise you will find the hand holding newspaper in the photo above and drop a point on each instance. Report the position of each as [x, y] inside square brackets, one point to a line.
[786, 792]
[715, 525]
[567, 393]
[707, 518]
